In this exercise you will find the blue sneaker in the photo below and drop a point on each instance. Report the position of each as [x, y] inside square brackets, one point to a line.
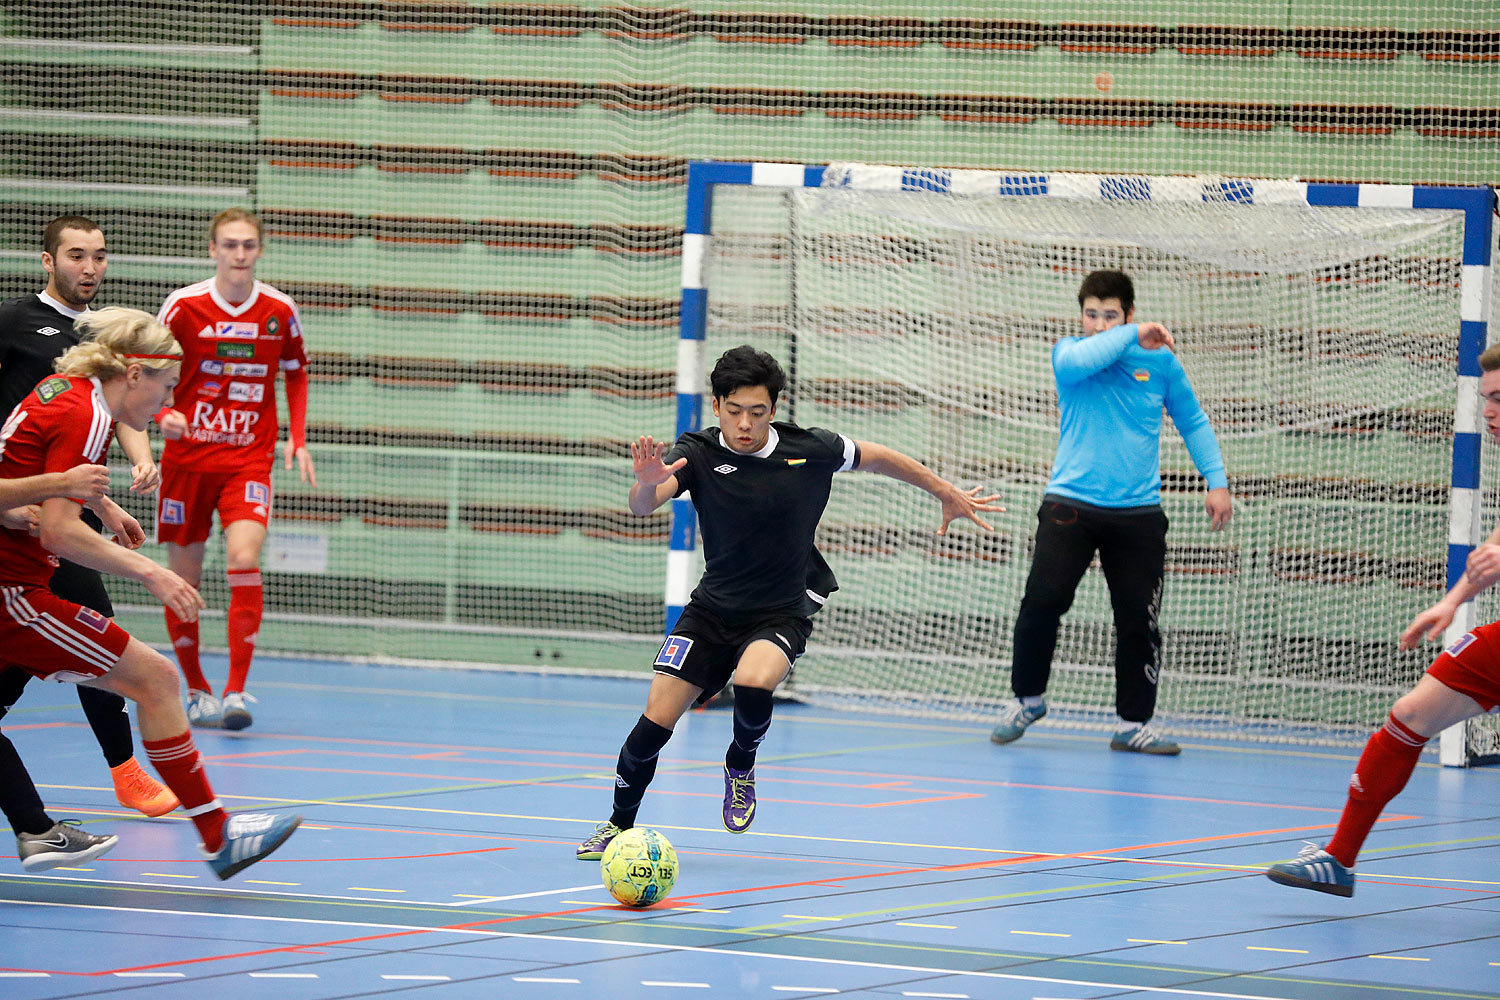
[1014, 718]
[248, 837]
[739, 799]
[204, 710]
[1314, 869]
[1144, 739]
[592, 849]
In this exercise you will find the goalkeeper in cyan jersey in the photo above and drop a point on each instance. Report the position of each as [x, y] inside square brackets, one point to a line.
[1104, 496]
[759, 488]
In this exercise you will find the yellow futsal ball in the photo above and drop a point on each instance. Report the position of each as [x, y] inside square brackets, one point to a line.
[639, 867]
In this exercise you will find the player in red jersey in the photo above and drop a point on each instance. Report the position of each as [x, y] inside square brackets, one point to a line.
[1464, 681]
[236, 333]
[124, 370]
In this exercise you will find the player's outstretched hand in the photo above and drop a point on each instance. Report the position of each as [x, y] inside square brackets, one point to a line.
[85, 482]
[173, 425]
[967, 504]
[304, 463]
[145, 477]
[1154, 335]
[175, 592]
[1429, 625]
[647, 455]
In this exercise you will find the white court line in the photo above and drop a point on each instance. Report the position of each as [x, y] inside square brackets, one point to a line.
[283, 975]
[48, 975]
[219, 889]
[805, 989]
[150, 975]
[421, 979]
[523, 895]
[664, 982]
[937, 996]
[475, 932]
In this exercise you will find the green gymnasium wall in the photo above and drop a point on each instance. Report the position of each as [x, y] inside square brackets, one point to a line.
[479, 208]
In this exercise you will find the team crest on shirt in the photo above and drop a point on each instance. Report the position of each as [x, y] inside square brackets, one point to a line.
[272, 325]
[1141, 375]
[673, 652]
[93, 620]
[171, 511]
[51, 388]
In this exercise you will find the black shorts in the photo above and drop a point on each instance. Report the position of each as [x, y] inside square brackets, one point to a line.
[704, 649]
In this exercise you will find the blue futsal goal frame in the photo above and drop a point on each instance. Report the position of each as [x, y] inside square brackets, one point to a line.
[1476, 308]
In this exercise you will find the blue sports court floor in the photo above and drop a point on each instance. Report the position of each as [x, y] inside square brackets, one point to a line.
[890, 858]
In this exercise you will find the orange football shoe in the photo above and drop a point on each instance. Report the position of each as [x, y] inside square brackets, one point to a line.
[135, 789]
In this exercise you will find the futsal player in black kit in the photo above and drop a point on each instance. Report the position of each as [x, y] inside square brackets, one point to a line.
[759, 489]
[34, 331]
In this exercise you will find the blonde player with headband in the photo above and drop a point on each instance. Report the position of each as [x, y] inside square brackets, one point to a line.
[124, 370]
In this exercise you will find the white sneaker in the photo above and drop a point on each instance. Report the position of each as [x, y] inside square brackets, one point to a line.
[236, 715]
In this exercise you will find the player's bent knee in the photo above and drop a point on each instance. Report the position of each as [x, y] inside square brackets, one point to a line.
[144, 675]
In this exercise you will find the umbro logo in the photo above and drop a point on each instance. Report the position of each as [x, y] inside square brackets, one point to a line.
[49, 331]
[725, 470]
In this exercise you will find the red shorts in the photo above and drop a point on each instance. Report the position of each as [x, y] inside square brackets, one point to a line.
[1471, 666]
[55, 639]
[185, 510]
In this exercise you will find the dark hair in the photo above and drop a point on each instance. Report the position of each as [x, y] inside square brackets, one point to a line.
[52, 235]
[1103, 285]
[745, 366]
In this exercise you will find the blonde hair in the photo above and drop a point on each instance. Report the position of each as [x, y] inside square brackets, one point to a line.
[235, 214]
[114, 338]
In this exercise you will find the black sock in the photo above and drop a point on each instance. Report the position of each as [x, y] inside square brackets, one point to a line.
[106, 714]
[752, 717]
[635, 769]
[18, 796]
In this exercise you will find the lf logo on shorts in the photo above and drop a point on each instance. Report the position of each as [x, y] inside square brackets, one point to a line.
[93, 620]
[673, 652]
[258, 493]
[171, 511]
[1461, 644]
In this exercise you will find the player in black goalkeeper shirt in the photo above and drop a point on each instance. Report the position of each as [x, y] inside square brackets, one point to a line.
[759, 488]
[34, 332]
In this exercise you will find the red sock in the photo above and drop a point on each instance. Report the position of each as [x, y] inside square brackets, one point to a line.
[180, 767]
[184, 636]
[1389, 758]
[245, 604]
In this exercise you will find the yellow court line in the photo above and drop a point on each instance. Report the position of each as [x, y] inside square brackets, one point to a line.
[367, 888]
[1289, 951]
[1043, 934]
[1151, 941]
[1400, 958]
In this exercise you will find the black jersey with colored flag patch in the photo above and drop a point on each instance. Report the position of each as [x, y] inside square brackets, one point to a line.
[758, 513]
[33, 334]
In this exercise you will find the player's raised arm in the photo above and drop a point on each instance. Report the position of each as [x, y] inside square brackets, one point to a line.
[655, 481]
[956, 502]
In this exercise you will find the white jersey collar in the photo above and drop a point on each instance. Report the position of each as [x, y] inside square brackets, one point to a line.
[67, 311]
[772, 440]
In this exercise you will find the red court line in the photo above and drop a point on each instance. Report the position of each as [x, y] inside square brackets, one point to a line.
[479, 925]
[41, 725]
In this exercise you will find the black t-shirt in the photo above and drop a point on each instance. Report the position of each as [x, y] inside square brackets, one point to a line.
[33, 334]
[758, 513]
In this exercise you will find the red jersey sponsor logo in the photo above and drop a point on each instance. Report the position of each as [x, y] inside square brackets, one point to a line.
[246, 392]
[236, 331]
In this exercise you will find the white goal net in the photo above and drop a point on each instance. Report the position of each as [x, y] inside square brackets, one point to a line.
[1320, 341]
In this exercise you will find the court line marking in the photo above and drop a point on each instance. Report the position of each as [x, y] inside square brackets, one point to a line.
[475, 900]
[542, 979]
[282, 975]
[936, 927]
[1289, 951]
[667, 982]
[397, 930]
[805, 989]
